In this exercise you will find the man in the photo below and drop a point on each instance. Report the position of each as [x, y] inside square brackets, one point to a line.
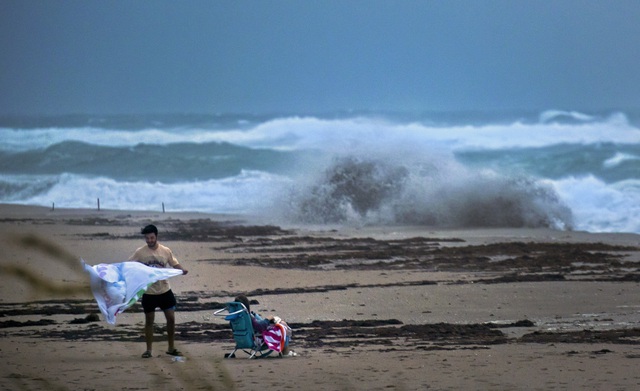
[159, 294]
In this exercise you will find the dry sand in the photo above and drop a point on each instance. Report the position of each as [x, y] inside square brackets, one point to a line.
[372, 308]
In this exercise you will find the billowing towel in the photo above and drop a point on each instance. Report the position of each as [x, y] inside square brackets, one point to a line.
[117, 286]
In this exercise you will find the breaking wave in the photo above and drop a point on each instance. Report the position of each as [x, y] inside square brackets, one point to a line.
[364, 190]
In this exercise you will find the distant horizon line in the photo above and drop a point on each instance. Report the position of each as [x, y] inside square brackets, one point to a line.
[317, 112]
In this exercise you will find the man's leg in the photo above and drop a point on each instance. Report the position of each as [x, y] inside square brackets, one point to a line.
[148, 328]
[170, 314]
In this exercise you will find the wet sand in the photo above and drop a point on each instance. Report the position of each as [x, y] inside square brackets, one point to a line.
[373, 308]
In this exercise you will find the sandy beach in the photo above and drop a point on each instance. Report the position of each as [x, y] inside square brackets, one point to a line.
[371, 308]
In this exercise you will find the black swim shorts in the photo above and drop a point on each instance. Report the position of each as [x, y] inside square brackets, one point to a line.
[165, 301]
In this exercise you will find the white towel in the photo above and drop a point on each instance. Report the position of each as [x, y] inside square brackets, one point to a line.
[117, 286]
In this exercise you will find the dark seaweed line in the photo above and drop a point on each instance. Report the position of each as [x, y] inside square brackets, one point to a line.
[342, 334]
[190, 301]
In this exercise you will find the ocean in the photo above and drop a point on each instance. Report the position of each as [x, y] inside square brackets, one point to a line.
[561, 169]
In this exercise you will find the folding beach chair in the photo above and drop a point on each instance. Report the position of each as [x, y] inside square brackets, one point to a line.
[244, 336]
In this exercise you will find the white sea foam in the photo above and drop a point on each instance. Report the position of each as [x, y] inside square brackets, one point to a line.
[554, 115]
[618, 159]
[596, 206]
[342, 134]
[601, 207]
[240, 194]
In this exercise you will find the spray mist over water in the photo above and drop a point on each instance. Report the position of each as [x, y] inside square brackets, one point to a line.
[372, 172]
[434, 192]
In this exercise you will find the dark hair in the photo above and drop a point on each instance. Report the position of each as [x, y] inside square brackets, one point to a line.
[150, 229]
[244, 300]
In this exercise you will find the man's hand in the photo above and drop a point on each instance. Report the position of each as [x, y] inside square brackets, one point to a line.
[184, 271]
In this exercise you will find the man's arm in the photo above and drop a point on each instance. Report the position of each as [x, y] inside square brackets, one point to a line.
[174, 262]
[179, 266]
[134, 256]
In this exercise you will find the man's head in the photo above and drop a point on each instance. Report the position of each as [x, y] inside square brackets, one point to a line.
[150, 233]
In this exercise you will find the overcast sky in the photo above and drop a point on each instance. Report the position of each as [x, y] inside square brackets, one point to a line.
[253, 56]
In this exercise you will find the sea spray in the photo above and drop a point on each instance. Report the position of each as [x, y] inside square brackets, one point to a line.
[364, 190]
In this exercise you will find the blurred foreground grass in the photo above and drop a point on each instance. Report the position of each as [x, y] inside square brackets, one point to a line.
[34, 280]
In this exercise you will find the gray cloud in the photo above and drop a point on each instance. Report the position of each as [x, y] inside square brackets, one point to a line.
[287, 56]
